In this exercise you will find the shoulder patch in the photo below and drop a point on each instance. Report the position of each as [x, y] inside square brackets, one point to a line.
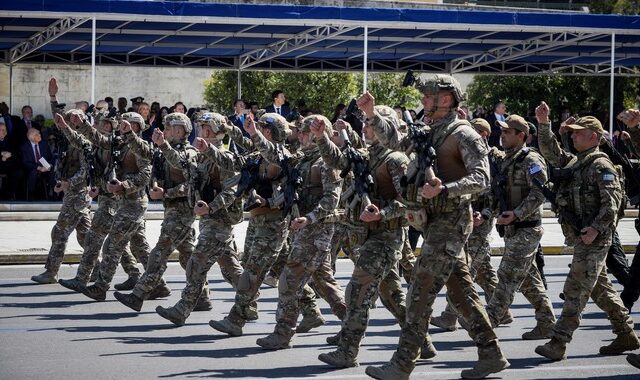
[535, 169]
[608, 176]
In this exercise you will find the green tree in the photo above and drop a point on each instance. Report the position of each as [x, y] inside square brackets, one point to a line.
[321, 91]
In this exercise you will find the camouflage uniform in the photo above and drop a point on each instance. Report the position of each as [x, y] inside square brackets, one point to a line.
[319, 195]
[462, 166]
[128, 221]
[376, 269]
[177, 230]
[102, 220]
[74, 213]
[518, 270]
[593, 194]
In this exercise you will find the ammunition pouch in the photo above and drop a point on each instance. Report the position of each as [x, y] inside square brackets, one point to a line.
[390, 224]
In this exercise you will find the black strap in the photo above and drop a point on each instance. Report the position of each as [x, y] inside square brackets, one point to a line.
[527, 224]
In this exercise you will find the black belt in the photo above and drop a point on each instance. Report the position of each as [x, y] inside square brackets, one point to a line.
[527, 224]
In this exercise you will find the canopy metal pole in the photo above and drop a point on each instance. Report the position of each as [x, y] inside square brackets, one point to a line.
[613, 54]
[93, 60]
[239, 84]
[366, 53]
[10, 87]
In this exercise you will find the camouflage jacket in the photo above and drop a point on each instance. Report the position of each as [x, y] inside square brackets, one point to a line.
[593, 191]
[321, 185]
[102, 158]
[521, 166]
[133, 182]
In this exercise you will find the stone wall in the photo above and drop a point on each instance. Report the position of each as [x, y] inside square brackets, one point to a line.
[163, 84]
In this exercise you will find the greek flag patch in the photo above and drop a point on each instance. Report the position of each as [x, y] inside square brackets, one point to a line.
[608, 177]
[535, 169]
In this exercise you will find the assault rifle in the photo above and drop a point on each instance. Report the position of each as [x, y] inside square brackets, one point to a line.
[116, 157]
[362, 179]
[498, 183]
[566, 215]
[426, 154]
[247, 181]
[289, 198]
[157, 166]
[91, 164]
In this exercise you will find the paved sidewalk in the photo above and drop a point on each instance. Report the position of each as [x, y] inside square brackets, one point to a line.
[25, 239]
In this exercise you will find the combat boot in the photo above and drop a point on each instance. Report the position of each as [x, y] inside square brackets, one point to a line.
[160, 291]
[507, 319]
[428, 350]
[274, 341]
[634, 360]
[339, 359]
[445, 321]
[623, 342]
[538, 332]
[490, 360]
[226, 326]
[271, 281]
[171, 314]
[387, 371]
[129, 300]
[45, 277]
[73, 284]
[129, 284]
[310, 322]
[553, 350]
[94, 292]
[203, 304]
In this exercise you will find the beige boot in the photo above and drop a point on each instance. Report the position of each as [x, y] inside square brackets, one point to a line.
[310, 322]
[623, 342]
[171, 314]
[45, 277]
[538, 332]
[339, 358]
[226, 326]
[553, 350]
[445, 321]
[428, 351]
[491, 360]
[387, 371]
[274, 341]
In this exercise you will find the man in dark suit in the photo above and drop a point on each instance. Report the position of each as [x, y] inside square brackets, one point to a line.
[22, 125]
[278, 105]
[10, 173]
[237, 118]
[499, 114]
[32, 151]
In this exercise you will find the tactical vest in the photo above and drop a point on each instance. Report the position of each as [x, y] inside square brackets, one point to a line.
[517, 186]
[311, 190]
[70, 164]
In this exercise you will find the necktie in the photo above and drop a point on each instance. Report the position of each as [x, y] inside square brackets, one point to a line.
[28, 122]
[242, 119]
[278, 110]
[37, 153]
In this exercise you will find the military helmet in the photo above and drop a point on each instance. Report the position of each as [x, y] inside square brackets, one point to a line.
[390, 115]
[177, 118]
[134, 117]
[305, 124]
[216, 121]
[441, 82]
[279, 125]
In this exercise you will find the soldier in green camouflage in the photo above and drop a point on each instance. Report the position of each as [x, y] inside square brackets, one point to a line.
[376, 269]
[176, 192]
[589, 200]
[522, 223]
[444, 191]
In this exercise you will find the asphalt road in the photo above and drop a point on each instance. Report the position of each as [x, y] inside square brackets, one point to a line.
[49, 332]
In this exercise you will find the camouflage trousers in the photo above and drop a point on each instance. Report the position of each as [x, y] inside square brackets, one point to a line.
[176, 232]
[215, 243]
[348, 237]
[588, 277]
[518, 270]
[74, 215]
[376, 271]
[95, 238]
[281, 261]
[443, 261]
[128, 222]
[408, 259]
[264, 240]
[480, 269]
[310, 251]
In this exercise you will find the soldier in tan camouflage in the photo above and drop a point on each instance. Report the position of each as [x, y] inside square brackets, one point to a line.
[219, 210]
[376, 269]
[589, 201]
[522, 223]
[71, 178]
[311, 237]
[478, 247]
[128, 177]
[175, 190]
[103, 218]
[460, 170]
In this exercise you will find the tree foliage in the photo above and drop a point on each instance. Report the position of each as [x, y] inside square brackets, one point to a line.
[321, 91]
